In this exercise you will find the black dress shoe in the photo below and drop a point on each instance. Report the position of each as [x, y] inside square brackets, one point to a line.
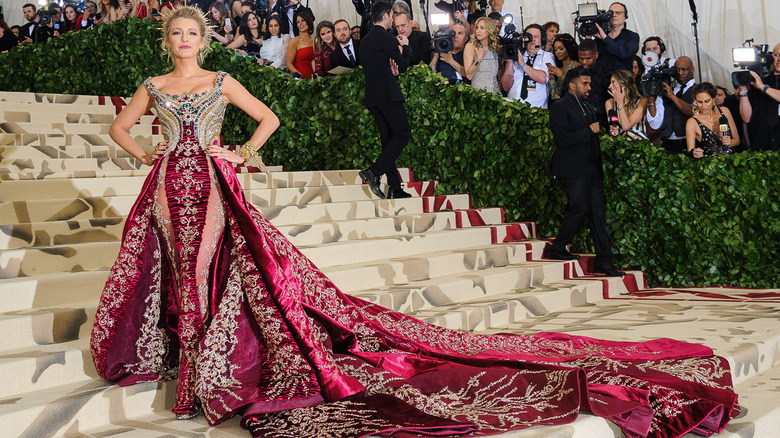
[397, 194]
[561, 254]
[608, 270]
[372, 180]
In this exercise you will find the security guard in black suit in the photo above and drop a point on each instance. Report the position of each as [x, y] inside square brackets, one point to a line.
[379, 50]
[577, 165]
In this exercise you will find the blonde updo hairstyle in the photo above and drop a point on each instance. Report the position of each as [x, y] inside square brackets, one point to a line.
[195, 15]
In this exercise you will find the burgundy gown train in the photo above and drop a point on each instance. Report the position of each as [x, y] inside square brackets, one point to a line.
[206, 289]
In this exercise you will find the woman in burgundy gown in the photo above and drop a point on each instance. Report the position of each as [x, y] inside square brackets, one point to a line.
[206, 289]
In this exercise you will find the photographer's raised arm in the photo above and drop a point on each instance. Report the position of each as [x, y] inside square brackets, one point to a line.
[745, 108]
[769, 91]
[684, 107]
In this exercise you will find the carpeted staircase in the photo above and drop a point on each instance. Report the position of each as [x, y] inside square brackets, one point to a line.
[65, 189]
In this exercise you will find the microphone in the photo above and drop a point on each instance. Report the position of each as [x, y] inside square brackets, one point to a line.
[693, 10]
[612, 118]
[725, 129]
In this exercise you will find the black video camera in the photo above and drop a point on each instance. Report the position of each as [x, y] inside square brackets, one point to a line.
[653, 80]
[750, 58]
[586, 18]
[45, 15]
[442, 40]
[513, 43]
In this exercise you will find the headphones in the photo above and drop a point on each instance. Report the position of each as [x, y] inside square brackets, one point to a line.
[540, 29]
[660, 42]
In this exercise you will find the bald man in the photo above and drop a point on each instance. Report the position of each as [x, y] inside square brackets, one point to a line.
[759, 107]
[669, 113]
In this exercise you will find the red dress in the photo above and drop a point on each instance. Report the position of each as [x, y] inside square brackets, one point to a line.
[303, 61]
[204, 287]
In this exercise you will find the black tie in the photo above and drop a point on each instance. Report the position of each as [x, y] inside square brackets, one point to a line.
[680, 92]
[526, 78]
[350, 56]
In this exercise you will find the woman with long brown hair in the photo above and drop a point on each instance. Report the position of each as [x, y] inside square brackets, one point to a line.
[219, 21]
[324, 45]
[628, 104]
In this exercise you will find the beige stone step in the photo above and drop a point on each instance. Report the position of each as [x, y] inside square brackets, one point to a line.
[73, 139]
[48, 165]
[110, 206]
[46, 290]
[96, 256]
[61, 99]
[90, 404]
[22, 152]
[519, 304]
[40, 234]
[49, 113]
[73, 129]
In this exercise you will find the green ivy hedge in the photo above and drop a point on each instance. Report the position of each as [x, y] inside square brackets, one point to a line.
[713, 221]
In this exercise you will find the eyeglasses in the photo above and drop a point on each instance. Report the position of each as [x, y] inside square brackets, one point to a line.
[618, 12]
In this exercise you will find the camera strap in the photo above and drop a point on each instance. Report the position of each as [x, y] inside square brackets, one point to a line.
[528, 83]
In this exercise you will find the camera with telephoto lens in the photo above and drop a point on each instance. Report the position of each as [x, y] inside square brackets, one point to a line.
[653, 81]
[442, 40]
[750, 58]
[45, 15]
[586, 18]
[512, 42]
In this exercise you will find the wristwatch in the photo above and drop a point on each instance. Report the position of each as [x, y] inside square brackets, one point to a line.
[766, 87]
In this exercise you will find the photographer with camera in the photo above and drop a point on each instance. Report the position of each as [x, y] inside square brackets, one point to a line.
[498, 6]
[668, 115]
[450, 64]
[527, 77]
[618, 46]
[656, 45]
[458, 10]
[758, 106]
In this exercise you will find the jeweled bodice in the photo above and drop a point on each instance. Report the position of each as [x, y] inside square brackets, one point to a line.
[187, 115]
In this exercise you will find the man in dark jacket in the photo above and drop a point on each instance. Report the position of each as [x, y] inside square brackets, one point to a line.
[577, 165]
[419, 42]
[383, 56]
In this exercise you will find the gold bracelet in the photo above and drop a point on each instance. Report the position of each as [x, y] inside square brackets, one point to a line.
[247, 151]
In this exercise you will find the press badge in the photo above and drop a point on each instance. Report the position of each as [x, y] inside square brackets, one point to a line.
[532, 85]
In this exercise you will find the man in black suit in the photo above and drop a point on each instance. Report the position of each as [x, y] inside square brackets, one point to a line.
[346, 54]
[383, 56]
[577, 165]
[419, 42]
